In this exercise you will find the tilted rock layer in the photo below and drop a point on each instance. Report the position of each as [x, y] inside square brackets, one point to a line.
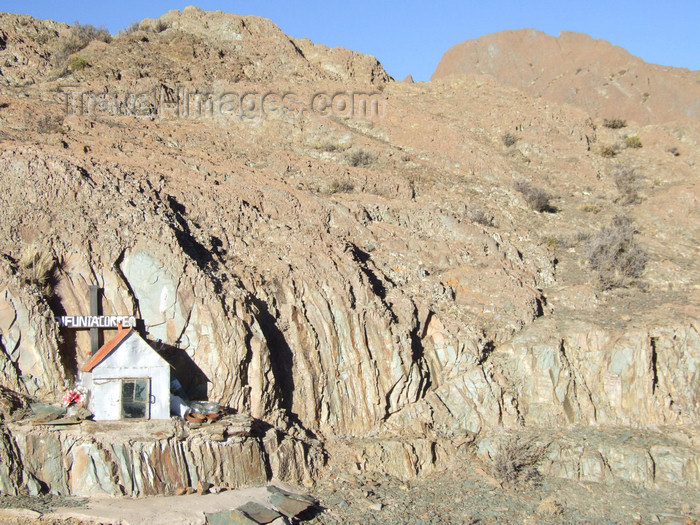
[340, 276]
[149, 458]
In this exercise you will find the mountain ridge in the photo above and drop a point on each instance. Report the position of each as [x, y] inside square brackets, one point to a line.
[574, 68]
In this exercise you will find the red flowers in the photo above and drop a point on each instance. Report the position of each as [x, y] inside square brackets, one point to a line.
[73, 396]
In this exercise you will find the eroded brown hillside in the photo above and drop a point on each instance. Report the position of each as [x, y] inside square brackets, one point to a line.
[573, 68]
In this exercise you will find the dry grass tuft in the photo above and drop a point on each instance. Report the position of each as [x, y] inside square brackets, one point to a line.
[37, 264]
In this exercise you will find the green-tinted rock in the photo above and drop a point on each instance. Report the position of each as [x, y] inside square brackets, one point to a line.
[287, 503]
[258, 512]
[229, 517]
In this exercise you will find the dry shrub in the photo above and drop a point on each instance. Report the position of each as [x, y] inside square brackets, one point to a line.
[536, 198]
[628, 183]
[158, 26]
[581, 236]
[614, 123]
[615, 255]
[78, 63]
[509, 139]
[44, 123]
[132, 28]
[633, 142]
[341, 186]
[361, 158]
[331, 146]
[37, 264]
[79, 36]
[590, 208]
[515, 460]
[608, 151]
[479, 216]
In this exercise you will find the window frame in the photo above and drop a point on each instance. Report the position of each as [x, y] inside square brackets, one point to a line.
[146, 403]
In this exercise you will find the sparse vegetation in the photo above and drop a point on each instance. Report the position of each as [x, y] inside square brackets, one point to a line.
[633, 142]
[49, 124]
[78, 63]
[628, 183]
[479, 216]
[581, 237]
[608, 151]
[132, 28]
[537, 198]
[615, 255]
[515, 460]
[553, 242]
[361, 158]
[45, 123]
[79, 37]
[160, 26]
[509, 139]
[590, 208]
[331, 146]
[673, 150]
[341, 187]
[37, 264]
[44, 37]
[614, 123]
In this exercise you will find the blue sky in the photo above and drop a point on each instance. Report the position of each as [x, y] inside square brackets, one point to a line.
[411, 36]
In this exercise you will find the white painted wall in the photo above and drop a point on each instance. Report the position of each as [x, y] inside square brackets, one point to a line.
[133, 358]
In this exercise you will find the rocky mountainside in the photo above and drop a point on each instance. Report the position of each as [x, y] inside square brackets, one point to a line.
[573, 68]
[393, 287]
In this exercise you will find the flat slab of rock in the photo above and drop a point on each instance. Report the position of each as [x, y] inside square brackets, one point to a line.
[259, 513]
[288, 503]
[230, 517]
[251, 506]
[251, 513]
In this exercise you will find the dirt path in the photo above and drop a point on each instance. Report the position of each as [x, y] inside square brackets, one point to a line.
[454, 496]
[158, 510]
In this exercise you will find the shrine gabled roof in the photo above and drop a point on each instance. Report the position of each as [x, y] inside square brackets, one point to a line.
[106, 349]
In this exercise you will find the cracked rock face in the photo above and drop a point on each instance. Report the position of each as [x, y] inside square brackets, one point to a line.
[376, 281]
[150, 458]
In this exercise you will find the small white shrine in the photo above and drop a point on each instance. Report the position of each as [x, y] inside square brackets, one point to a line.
[127, 379]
